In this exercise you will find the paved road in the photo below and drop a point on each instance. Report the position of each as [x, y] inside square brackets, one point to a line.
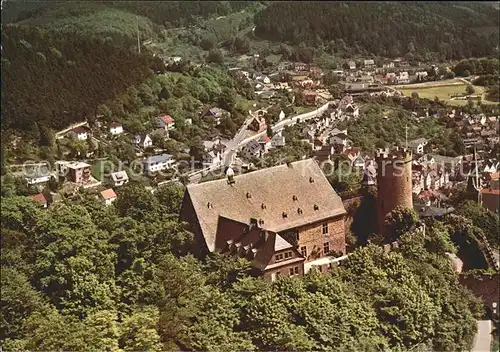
[230, 152]
[482, 341]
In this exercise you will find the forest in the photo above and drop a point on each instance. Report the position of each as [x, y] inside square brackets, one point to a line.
[420, 30]
[82, 276]
[55, 79]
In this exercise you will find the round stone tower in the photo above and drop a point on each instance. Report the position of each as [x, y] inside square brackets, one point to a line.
[394, 182]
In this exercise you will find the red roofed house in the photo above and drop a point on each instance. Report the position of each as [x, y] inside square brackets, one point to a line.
[257, 124]
[108, 196]
[40, 198]
[309, 97]
[490, 199]
[80, 133]
[265, 143]
[115, 128]
[165, 121]
[285, 219]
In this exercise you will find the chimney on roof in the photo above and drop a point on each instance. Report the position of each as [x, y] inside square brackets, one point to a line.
[230, 176]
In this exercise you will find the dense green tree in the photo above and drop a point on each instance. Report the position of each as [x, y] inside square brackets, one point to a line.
[399, 221]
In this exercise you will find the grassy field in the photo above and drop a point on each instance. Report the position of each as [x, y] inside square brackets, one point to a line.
[444, 92]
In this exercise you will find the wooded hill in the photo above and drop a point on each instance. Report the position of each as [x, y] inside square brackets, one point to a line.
[53, 79]
[388, 29]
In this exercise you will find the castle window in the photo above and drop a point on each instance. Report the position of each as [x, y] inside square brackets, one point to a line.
[303, 251]
[278, 257]
[325, 228]
[326, 248]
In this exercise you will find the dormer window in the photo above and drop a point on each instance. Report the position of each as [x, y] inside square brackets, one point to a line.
[249, 195]
[209, 205]
[311, 180]
[263, 206]
[284, 214]
[294, 197]
[316, 207]
[299, 211]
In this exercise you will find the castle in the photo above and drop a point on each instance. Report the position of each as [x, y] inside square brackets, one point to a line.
[285, 219]
[394, 182]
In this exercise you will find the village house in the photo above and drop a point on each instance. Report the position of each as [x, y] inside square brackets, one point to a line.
[158, 163]
[108, 196]
[265, 144]
[214, 150]
[369, 64]
[115, 128]
[257, 124]
[339, 140]
[300, 66]
[40, 199]
[403, 78]
[281, 116]
[278, 140]
[76, 171]
[309, 97]
[263, 79]
[143, 140]
[216, 113]
[81, 133]
[490, 199]
[37, 175]
[417, 145]
[352, 65]
[281, 230]
[165, 121]
[251, 150]
[119, 178]
[324, 154]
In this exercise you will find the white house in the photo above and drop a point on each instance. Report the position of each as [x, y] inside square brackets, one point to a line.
[340, 138]
[108, 196]
[212, 158]
[278, 140]
[158, 163]
[80, 133]
[281, 116]
[115, 128]
[403, 78]
[165, 121]
[36, 175]
[143, 141]
[263, 79]
[119, 178]
[417, 145]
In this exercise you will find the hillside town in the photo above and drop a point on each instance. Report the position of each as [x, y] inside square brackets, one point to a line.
[250, 176]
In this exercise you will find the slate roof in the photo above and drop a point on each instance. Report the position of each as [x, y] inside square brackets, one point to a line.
[274, 187]
[158, 158]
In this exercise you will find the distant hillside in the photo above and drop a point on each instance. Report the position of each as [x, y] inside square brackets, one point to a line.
[423, 29]
[167, 13]
[93, 20]
[52, 79]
